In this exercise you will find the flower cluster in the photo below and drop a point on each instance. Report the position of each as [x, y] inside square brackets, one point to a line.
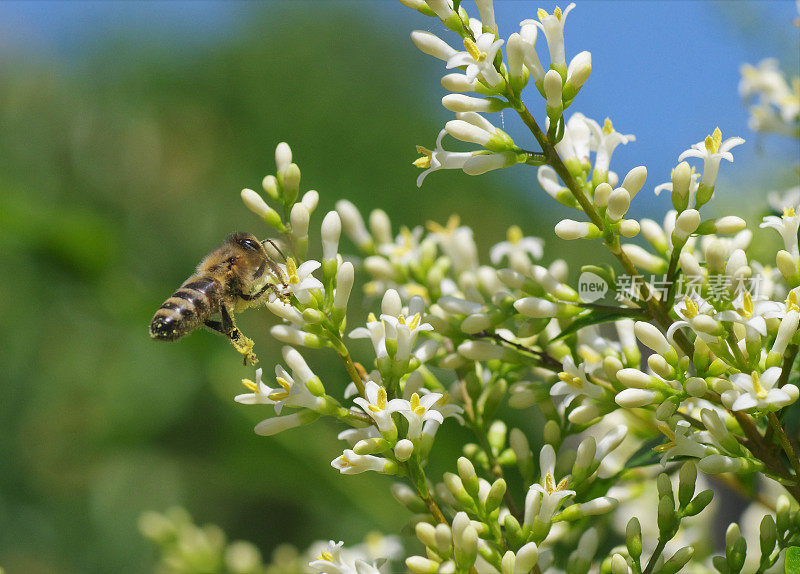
[696, 369]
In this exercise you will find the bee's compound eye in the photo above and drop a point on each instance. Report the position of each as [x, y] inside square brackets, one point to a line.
[250, 244]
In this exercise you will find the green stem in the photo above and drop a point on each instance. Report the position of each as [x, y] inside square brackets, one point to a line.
[656, 310]
[785, 443]
[355, 376]
[656, 553]
[545, 360]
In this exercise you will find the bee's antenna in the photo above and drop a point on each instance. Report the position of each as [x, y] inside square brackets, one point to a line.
[278, 249]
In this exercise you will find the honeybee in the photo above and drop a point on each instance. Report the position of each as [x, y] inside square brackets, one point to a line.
[237, 275]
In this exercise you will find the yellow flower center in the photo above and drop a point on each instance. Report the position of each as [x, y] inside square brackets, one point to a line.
[325, 554]
[608, 127]
[514, 235]
[570, 380]
[549, 484]
[713, 141]
[691, 308]
[760, 392]
[453, 222]
[291, 271]
[250, 385]
[416, 408]
[284, 383]
[415, 289]
[380, 402]
[407, 241]
[788, 212]
[747, 305]
[473, 50]
[412, 322]
[791, 302]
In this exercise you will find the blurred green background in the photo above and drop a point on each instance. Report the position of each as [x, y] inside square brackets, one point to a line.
[119, 170]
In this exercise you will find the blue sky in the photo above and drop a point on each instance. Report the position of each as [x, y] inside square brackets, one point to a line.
[666, 71]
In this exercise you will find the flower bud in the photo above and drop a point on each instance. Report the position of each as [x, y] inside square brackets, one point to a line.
[527, 557]
[495, 496]
[718, 463]
[651, 337]
[310, 199]
[403, 449]
[283, 156]
[633, 398]
[570, 229]
[677, 561]
[353, 225]
[515, 51]
[629, 228]
[633, 538]
[552, 91]
[290, 184]
[577, 73]
[634, 378]
[331, 231]
[618, 203]
[462, 103]
[685, 225]
[468, 476]
[255, 203]
[696, 387]
[644, 259]
[270, 185]
[619, 565]
[420, 565]
[380, 225]
[681, 180]
[430, 44]
[601, 195]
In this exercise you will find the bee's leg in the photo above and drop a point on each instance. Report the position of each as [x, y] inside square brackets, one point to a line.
[240, 342]
[269, 286]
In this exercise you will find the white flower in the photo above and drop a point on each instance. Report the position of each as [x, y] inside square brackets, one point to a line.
[518, 249]
[553, 27]
[685, 441]
[457, 243]
[406, 248]
[542, 501]
[787, 226]
[334, 559]
[378, 408]
[474, 128]
[479, 58]
[405, 329]
[573, 382]
[604, 140]
[292, 390]
[758, 391]
[260, 393]
[352, 436]
[752, 314]
[528, 32]
[417, 411]
[789, 198]
[712, 150]
[440, 158]
[299, 279]
[352, 463]
[375, 331]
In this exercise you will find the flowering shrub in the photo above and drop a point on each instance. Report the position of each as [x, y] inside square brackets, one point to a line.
[678, 365]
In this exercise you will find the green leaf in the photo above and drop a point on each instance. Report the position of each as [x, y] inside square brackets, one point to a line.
[645, 455]
[792, 563]
[599, 316]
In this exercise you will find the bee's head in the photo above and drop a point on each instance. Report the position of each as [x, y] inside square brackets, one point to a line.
[252, 257]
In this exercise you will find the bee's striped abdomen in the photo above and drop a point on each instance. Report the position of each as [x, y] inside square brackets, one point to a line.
[194, 302]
